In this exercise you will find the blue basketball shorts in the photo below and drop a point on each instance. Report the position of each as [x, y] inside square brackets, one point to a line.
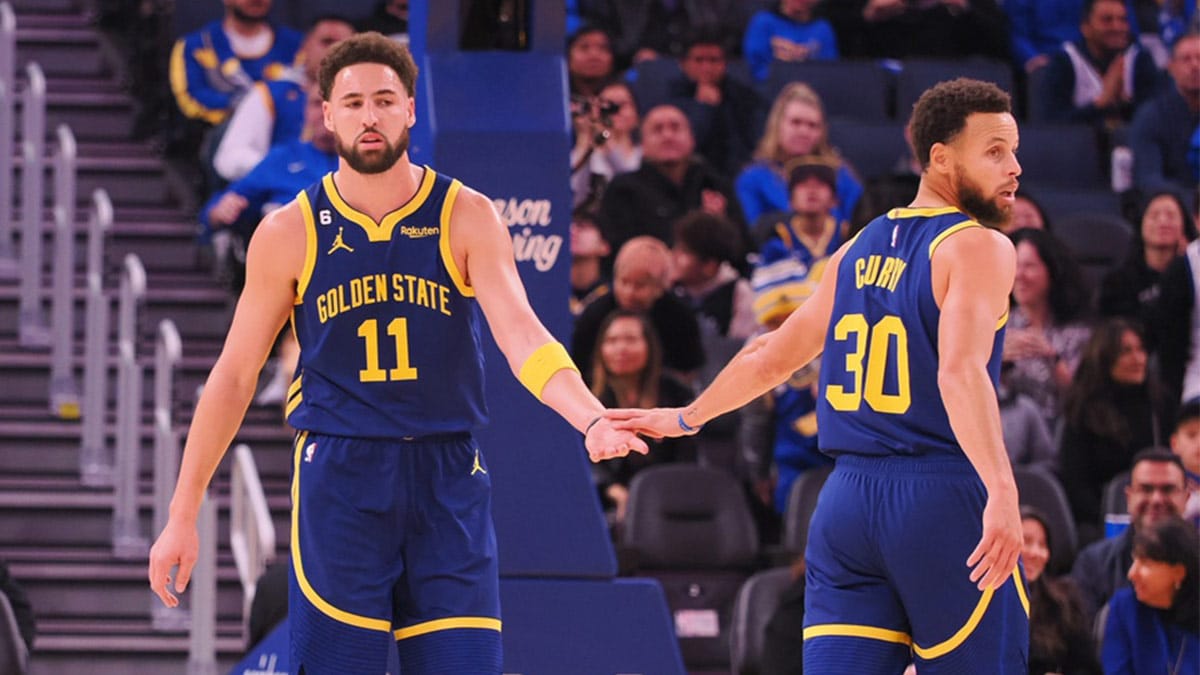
[393, 541]
[887, 576]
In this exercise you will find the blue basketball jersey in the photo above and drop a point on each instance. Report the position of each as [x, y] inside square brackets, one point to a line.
[879, 391]
[387, 325]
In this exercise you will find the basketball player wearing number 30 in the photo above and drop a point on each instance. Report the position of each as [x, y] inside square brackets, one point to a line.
[382, 267]
[912, 552]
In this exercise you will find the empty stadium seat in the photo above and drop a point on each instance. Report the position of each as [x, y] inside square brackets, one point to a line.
[690, 528]
[1114, 495]
[1061, 155]
[802, 501]
[650, 82]
[1062, 202]
[918, 75]
[1099, 242]
[859, 90]
[756, 602]
[1042, 491]
[872, 148]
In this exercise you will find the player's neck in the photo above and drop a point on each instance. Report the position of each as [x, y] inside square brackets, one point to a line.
[933, 194]
[378, 194]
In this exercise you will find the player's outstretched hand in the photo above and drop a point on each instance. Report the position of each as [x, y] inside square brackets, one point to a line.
[996, 555]
[655, 422]
[604, 441]
[177, 545]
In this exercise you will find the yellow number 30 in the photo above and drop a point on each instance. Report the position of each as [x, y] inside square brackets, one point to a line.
[369, 331]
[872, 343]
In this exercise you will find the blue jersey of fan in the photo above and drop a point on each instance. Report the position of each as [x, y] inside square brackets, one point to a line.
[387, 325]
[879, 391]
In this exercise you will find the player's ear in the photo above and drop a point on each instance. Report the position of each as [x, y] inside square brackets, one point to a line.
[327, 114]
[940, 157]
[412, 112]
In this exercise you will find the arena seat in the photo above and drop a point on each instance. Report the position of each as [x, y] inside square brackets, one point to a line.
[690, 528]
[1042, 491]
[917, 75]
[756, 602]
[872, 148]
[802, 501]
[1060, 155]
[650, 82]
[859, 90]
[1099, 242]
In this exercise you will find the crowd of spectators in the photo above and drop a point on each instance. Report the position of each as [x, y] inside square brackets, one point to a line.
[706, 204]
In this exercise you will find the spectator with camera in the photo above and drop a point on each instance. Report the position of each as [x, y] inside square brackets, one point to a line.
[605, 142]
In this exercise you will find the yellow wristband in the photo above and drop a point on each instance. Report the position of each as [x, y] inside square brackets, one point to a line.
[542, 364]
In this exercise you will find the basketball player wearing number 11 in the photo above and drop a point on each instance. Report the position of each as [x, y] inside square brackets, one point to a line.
[383, 267]
[912, 552]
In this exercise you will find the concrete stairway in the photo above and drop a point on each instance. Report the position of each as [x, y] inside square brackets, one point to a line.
[93, 609]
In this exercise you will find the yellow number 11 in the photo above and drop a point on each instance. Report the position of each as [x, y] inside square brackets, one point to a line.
[369, 331]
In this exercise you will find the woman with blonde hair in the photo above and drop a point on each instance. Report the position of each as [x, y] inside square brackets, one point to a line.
[795, 128]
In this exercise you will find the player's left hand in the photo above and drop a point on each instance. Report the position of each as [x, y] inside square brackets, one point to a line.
[604, 441]
[995, 558]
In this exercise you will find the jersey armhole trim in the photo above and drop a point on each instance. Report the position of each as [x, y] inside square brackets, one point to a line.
[444, 241]
[959, 227]
[310, 247]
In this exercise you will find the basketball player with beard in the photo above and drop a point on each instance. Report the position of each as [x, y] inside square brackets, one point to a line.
[383, 267]
[912, 552]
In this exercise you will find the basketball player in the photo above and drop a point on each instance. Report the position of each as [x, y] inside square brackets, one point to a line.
[912, 553]
[381, 265]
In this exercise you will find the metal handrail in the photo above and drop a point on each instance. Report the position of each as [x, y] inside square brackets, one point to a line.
[33, 332]
[8, 93]
[202, 641]
[64, 388]
[251, 530]
[168, 351]
[128, 541]
[95, 464]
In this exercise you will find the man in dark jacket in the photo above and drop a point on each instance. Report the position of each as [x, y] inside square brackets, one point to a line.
[1156, 491]
[726, 115]
[670, 182]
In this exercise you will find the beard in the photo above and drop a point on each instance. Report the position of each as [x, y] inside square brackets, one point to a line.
[378, 161]
[241, 15]
[970, 197]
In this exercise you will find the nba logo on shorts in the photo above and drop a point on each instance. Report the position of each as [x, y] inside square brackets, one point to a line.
[308, 452]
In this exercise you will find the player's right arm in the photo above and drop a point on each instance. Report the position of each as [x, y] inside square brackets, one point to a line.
[973, 276]
[273, 261]
[763, 364]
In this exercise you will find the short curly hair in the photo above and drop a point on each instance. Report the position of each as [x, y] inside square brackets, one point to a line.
[368, 47]
[942, 111]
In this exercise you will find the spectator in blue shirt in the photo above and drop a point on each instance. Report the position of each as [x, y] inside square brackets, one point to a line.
[214, 66]
[1162, 130]
[1102, 78]
[789, 33]
[1154, 626]
[795, 127]
[287, 169]
[273, 112]
[1040, 27]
